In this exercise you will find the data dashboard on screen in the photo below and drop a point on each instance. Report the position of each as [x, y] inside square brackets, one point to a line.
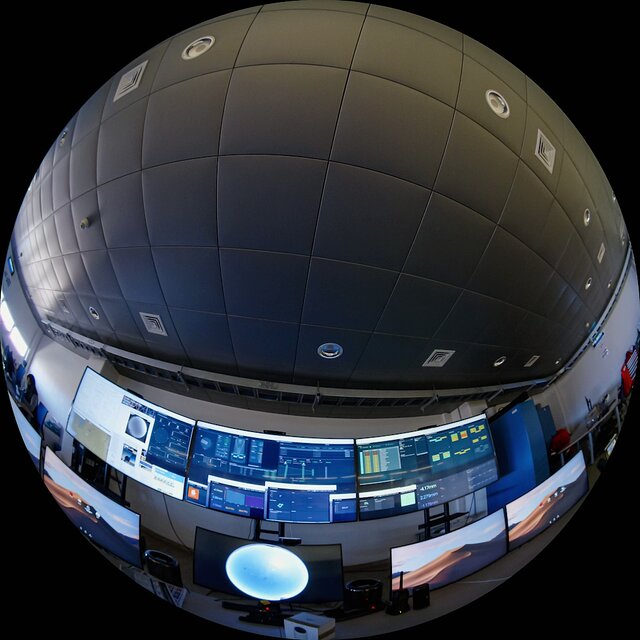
[142, 440]
[273, 477]
[418, 470]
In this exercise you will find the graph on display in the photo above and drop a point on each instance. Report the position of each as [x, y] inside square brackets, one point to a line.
[269, 476]
[405, 472]
[140, 439]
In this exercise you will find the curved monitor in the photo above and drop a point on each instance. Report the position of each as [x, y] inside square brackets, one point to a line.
[142, 440]
[103, 521]
[274, 477]
[235, 566]
[541, 507]
[452, 556]
[421, 469]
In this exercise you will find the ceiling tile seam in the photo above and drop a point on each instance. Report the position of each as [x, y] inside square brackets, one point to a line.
[221, 126]
[324, 185]
[217, 20]
[296, 8]
[484, 252]
[157, 90]
[417, 229]
[424, 33]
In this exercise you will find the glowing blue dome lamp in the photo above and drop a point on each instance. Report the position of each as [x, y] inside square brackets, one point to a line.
[269, 573]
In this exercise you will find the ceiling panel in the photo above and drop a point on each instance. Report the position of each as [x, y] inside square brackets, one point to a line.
[90, 114]
[82, 167]
[260, 284]
[64, 228]
[136, 275]
[311, 368]
[190, 278]
[90, 238]
[477, 170]
[183, 120]
[346, 295]
[180, 203]
[122, 212]
[370, 134]
[368, 217]
[520, 285]
[263, 346]
[389, 50]
[449, 243]
[269, 202]
[61, 183]
[120, 318]
[301, 37]
[120, 143]
[269, 108]
[430, 303]
[192, 326]
[101, 275]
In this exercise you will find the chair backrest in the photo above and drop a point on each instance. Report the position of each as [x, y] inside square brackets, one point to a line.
[19, 375]
[41, 414]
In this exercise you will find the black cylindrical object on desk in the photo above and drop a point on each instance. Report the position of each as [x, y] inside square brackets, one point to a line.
[163, 566]
[421, 596]
[363, 594]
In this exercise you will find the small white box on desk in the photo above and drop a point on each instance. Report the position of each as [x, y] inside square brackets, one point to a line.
[308, 626]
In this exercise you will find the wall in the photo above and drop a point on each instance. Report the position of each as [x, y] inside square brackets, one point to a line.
[21, 312]
[593, 375]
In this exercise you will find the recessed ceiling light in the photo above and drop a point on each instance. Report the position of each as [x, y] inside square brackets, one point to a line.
[587, 325]
[586, 217]
[94, 313]
[588, 283]
[500, 361]
[613, 195]
[558, 361]
[330, 350]
[609, 284]
[497, 103]
[63, 137]
[196, 48]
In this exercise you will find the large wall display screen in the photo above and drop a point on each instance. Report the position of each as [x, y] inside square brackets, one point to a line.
[241, 567]
[274, 477]
[410, 471]
[145, 442]
[541, 507]
[104, 522]
[452, 556]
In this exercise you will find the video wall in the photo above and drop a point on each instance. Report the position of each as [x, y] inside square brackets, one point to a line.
[278, 477]
[418, 470]
[145, 442]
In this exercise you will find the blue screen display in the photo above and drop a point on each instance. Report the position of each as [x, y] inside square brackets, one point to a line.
[418, 470]
[295, 479]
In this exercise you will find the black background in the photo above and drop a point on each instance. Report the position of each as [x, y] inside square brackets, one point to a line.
[54, 59]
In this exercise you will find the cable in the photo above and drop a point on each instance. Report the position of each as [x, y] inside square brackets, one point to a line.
[171, 523]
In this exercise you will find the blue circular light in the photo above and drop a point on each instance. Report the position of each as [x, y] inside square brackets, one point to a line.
[267, 572]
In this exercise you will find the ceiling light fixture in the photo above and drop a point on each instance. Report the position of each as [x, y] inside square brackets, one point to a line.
[330, 350]
[588, 283]
[558, 361]
[497, 103]
[586, 217]
[196, 48]
[609, 284]
[500, 361]
[94, 313]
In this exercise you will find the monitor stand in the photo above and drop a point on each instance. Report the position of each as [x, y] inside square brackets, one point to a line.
[267, 613]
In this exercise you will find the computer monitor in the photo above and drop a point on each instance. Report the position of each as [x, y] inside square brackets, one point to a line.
[104, 522]
[421, 469]
[30, 437]
[538, 509]
[142, 440]
[323, 564]
[452, 556]
[275, 477]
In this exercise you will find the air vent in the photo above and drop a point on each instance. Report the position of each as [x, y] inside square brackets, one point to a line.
[601, 253]
[153, 323]
[130, 81]
[545, 151]
[531, 361]
[438, 358]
